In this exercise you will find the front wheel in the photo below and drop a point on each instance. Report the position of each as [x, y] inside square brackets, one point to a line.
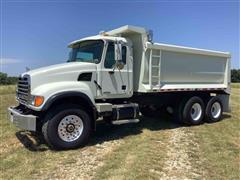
[66, 127]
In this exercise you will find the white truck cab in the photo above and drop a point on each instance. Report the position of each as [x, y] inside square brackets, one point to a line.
[115, 74]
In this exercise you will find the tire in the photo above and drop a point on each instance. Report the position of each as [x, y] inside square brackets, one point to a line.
[192, 111]
[177, 112]
[66, 127]
[214, 110]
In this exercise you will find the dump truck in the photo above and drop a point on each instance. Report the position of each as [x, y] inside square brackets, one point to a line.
[117, 76]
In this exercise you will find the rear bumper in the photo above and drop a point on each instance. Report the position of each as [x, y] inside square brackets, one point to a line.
[23, 121]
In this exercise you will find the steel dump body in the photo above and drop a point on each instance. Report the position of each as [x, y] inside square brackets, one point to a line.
[163, 67]
[180, 68]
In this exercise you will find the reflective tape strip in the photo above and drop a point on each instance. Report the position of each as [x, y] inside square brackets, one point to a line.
[192, 89]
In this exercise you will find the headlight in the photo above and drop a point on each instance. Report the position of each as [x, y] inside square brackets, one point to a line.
[37, 100]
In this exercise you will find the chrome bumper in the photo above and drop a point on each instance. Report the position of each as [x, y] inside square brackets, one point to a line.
[27, 122]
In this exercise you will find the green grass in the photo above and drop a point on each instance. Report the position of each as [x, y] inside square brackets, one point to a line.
[7, 89]
[220, 143]
[134, 151]
[235, 85]
[139, 153]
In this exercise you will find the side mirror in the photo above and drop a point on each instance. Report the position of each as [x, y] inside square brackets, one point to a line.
[120, 64]
[118, 55]
[118, 51]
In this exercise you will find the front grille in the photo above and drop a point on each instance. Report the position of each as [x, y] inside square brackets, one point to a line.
[23, 89]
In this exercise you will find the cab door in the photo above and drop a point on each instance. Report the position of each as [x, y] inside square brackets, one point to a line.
[115, 82]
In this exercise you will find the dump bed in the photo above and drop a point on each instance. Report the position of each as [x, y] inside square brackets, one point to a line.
[162, 67]
[175, 68]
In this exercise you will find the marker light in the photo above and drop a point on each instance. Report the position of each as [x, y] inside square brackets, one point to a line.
[38, 100]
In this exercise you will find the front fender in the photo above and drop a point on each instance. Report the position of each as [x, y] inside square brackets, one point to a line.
[50, 90]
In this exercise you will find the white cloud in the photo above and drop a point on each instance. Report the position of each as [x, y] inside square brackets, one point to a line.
[5, 61]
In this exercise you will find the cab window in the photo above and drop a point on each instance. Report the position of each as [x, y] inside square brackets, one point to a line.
[109, 59]
[124, 54]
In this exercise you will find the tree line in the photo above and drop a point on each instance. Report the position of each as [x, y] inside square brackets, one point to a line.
[7, 80]
[235, 75]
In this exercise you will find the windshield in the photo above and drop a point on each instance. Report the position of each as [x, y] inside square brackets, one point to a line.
[87, 51]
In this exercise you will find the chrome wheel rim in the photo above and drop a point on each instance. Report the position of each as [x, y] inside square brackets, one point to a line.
[216, 110]
[196, 111]
[70, 128]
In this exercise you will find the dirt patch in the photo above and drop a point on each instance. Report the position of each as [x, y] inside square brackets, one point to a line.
[178, 164]
[84, 164]
[10, 145]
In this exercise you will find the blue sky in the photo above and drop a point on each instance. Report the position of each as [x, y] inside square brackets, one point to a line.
[36, 33]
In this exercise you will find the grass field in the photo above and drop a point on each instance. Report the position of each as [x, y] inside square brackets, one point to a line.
[155, 148]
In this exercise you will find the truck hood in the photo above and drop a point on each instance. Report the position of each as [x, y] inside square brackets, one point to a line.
[60, 72]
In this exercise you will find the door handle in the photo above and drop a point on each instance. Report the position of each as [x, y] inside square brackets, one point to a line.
[111, 72]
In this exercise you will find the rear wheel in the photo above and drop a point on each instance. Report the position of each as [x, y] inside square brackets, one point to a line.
[190, 111]
[193, 111]
[214, 110]
[66, 127]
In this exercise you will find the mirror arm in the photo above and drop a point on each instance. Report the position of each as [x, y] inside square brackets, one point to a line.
[114, 67]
